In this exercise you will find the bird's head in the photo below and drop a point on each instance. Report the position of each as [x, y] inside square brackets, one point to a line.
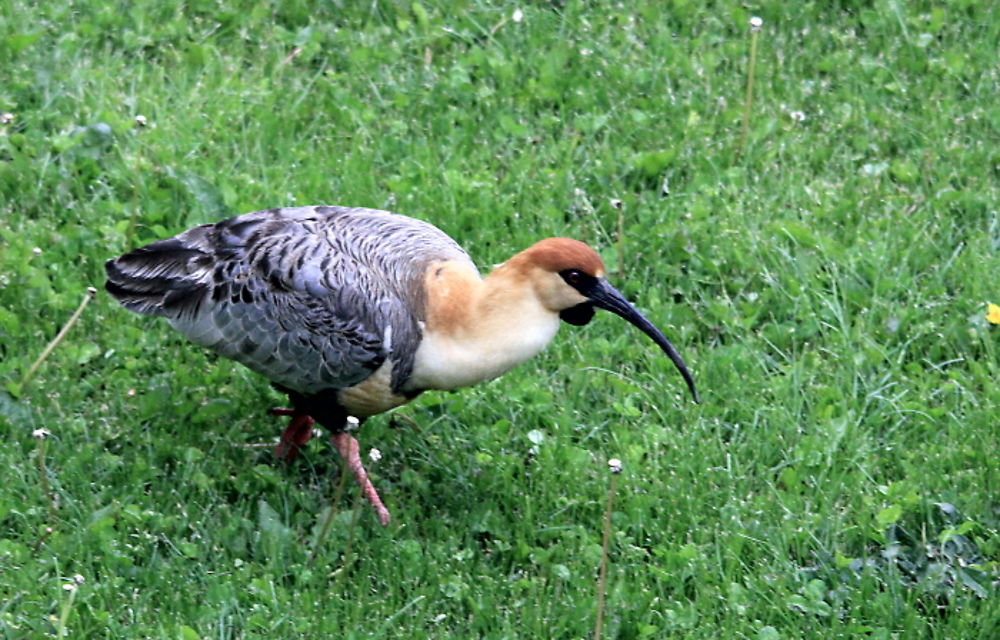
[568, 277]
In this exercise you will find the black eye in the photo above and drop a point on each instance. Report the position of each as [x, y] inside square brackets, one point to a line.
[572, 276]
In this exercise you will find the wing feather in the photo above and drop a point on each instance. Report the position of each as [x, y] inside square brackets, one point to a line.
[314, 298]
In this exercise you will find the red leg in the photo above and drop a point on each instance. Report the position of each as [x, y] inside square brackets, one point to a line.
[347, 446]
[298, 432]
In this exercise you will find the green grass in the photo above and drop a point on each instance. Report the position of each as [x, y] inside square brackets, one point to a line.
[828, 287]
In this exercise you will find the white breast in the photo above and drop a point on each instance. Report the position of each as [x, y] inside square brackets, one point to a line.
[445, 361]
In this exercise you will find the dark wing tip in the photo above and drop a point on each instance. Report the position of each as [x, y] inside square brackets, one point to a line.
[163, 278]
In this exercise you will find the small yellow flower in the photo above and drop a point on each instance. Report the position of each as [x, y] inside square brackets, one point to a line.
[993, 313]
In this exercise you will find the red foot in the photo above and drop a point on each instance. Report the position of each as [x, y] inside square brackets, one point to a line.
[298, 432]
[347, 446]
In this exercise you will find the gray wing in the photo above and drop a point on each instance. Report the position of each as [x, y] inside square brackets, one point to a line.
[311, 297]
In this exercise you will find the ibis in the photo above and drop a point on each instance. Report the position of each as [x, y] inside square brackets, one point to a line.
[354, 311]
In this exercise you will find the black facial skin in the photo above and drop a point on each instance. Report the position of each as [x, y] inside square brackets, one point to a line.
[579, 315]
[600, 293]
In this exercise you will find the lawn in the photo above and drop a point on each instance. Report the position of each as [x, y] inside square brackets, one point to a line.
[826, 275]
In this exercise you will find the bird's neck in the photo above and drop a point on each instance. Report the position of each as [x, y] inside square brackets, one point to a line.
[478, 329]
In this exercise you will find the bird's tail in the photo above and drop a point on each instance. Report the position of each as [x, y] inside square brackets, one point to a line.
[166, 278]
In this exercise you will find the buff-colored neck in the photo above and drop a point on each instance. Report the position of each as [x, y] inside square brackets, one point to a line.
[478, 329]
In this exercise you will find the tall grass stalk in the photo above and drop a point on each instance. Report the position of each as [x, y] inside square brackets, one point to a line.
[602, 579]
[345, 565]
[755, 27]
[338, 493]
[91, 292]
[40, 435]
[66, 609]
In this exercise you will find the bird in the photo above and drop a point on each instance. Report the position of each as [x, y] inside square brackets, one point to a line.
[353, 311]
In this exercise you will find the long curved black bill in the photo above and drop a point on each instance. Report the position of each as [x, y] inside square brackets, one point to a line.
[606, 297]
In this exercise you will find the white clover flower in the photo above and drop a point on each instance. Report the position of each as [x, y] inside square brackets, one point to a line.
[140, 120]
[615, 465]
[6, 118]
[41, 434]
[756, 23]
[517, 16]
[374, 455]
